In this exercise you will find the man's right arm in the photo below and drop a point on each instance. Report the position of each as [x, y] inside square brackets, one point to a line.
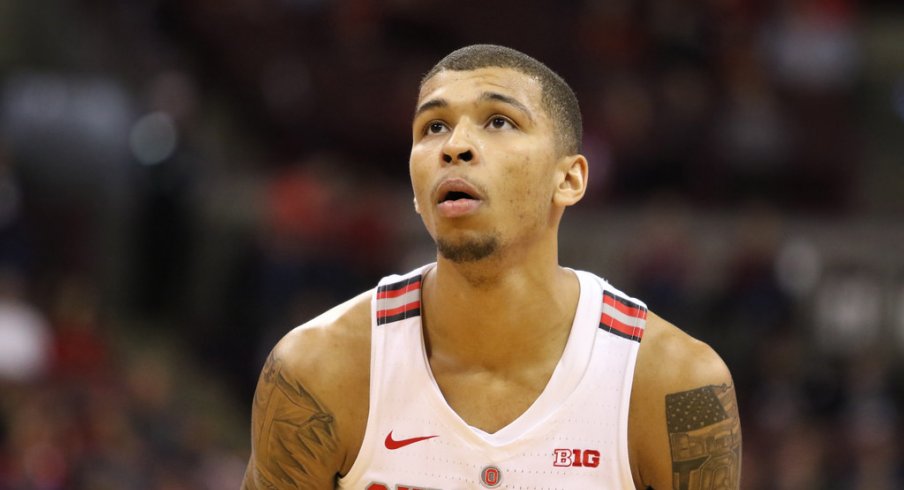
[293, 435]
[310, 406]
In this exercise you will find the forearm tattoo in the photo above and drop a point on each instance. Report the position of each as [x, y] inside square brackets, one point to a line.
[293, 434]
[705, 438]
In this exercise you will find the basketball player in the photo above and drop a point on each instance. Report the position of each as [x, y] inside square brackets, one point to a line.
[495, 367]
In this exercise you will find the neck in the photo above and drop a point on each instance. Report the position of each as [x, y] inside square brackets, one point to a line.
[471, 310]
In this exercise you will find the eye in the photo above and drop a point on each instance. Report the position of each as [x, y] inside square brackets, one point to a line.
[499, 122]
[435, 127]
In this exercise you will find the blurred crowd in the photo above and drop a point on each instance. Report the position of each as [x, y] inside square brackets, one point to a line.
[82, 409]
[813, 342]
[181, 182]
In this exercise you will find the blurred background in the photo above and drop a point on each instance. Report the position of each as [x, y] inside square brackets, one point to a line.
[183, 181]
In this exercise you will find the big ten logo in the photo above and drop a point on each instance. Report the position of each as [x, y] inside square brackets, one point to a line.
[589, 458]
[383, 486]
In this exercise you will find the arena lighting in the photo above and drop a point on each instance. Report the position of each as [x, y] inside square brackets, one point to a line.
[153, 138]
[848, 311]
[798, 267]
[897, 96]
[896, 305]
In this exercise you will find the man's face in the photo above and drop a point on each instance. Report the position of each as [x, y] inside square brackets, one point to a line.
[483, 161]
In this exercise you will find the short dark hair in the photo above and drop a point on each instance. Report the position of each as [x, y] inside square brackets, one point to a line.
[557, 97]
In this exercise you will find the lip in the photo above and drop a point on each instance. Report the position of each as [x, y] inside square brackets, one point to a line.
[459, 207]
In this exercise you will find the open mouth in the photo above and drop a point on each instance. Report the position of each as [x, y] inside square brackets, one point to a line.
[454, 196]
[457, 198]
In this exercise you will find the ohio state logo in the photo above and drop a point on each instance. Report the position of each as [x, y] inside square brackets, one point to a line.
[578, 458]
[490, 477]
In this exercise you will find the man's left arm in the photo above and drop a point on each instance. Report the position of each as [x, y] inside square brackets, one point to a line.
[704, 437]
[685, 431]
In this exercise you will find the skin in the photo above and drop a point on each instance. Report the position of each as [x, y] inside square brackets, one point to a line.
[487, 127]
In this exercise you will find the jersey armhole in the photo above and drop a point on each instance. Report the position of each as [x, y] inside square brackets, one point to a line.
[626, 475]
[623, 425]
[365, 452]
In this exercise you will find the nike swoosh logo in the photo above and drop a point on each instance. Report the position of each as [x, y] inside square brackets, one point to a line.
[393, 444]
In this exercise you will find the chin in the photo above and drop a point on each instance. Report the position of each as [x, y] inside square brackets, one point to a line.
[468, 250]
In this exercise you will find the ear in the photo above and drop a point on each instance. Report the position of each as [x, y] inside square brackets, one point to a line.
[572, 173]
[416, 208]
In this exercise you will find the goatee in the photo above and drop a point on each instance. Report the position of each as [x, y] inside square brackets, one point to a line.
[468, 251]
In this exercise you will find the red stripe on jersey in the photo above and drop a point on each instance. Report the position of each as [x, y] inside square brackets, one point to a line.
[395, 293]
[629, 310]
[401, 309]
[611, 322]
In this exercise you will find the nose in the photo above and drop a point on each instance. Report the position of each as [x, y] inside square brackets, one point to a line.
[459, 148]
[464, 156]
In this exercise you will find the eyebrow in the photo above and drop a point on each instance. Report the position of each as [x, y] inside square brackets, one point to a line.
[430, 104]
[485, 96]
[505, 99]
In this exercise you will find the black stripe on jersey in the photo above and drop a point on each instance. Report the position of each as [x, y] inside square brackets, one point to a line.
[399, 285]
[624, 301]
[399, 316]
[619, 333]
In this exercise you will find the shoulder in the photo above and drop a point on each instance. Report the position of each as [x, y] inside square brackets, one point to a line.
[330, 356]
[310, 405]
[681, 387]
[669, 359]
[344, 328]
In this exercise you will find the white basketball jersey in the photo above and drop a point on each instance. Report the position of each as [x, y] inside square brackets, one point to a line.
[574, 436]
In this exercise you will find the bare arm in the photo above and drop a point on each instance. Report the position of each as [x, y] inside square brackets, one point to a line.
[704, 438]
[684, 428]
[293, 436]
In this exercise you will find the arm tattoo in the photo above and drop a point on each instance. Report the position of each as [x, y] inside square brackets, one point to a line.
[293, 434]
[705, 438]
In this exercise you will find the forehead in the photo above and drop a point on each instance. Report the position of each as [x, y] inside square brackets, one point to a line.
[470, 84]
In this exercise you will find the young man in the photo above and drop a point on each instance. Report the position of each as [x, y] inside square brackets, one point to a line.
[494, 367]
